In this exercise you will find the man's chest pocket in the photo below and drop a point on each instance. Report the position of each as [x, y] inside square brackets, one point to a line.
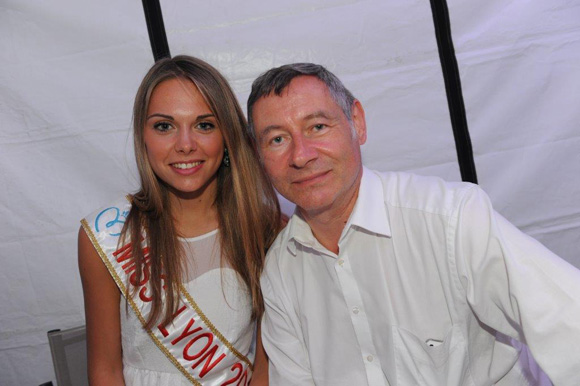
[431, 362]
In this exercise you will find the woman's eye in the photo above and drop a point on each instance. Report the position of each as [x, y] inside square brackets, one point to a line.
[320, 126]
[162, 126]
[277, 140]
[206, 126]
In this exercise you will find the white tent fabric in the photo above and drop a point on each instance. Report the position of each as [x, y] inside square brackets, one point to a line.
[70, 69]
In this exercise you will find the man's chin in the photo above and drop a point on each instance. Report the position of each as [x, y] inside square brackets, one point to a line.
[313, 209]
[310, 202]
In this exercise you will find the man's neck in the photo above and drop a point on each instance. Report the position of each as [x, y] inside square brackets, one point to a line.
[327, 225]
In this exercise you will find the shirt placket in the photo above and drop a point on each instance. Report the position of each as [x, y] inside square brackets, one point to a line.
[358, 315]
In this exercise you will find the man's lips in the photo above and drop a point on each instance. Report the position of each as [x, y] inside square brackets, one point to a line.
[311, 178]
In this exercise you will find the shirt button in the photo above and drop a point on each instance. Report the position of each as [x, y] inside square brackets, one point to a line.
[355, 310]
[340, 262]
[370, 358]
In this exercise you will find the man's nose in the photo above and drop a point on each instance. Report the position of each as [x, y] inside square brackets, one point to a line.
[303, 152]
[185, 142]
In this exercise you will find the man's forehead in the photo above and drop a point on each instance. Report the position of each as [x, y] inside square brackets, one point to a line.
[304, 91]
[305, 98]
[303, 84]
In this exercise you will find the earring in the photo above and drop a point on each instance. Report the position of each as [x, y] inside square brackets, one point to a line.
[226, 160]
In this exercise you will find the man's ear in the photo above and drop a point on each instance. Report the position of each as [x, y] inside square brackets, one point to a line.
[358, 121]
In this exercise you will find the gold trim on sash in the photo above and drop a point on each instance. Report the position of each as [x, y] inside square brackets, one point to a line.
[213, 328]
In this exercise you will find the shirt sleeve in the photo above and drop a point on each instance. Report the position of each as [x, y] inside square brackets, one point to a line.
[288, 359]
[518, 287]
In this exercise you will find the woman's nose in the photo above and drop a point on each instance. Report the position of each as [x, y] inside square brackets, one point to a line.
[185, 142]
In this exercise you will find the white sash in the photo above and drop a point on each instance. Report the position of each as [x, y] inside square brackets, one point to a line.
[191, 341]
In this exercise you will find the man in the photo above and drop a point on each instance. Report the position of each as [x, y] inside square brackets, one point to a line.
[391, 278]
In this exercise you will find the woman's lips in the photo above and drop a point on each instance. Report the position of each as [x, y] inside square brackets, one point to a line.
[187, 167]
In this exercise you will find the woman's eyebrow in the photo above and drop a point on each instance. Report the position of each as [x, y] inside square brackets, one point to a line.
[169, 117]
[204, 116]
[160, 116]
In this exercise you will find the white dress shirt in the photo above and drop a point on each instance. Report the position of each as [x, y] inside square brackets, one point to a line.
[430, 287]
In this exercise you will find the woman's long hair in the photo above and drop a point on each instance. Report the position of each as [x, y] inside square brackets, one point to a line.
[247, 206]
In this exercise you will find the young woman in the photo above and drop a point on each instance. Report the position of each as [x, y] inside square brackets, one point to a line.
[187, 249]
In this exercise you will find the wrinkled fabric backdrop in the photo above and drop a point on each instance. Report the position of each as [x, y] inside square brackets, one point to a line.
[69, 71]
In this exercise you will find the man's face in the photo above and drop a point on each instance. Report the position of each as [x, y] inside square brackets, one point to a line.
[309, 148]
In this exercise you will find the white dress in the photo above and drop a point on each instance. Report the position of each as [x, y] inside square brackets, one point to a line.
[222, 296]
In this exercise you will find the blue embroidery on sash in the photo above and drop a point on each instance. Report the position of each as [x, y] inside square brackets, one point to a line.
[116, 220]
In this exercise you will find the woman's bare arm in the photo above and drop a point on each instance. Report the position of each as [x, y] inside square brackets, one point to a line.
[260, 376]
[102, 299]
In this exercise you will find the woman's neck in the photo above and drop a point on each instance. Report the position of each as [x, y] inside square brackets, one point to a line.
[194, 215]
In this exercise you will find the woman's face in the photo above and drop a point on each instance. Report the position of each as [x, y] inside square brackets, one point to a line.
[184, 144]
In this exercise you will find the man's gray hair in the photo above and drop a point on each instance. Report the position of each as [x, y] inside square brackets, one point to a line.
[277, 79]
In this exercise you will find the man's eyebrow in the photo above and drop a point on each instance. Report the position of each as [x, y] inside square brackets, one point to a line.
[317, 114]
[267, 130]
[314, 115]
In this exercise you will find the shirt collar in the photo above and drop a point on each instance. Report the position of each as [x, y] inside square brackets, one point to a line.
[369, 213]
[300, 232]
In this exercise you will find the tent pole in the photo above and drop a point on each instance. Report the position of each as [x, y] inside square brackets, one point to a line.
[453, 90]
[156, 29]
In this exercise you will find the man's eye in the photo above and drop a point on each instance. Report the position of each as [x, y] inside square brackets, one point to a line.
[162, 126]
[206, 126]
[320, 126]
